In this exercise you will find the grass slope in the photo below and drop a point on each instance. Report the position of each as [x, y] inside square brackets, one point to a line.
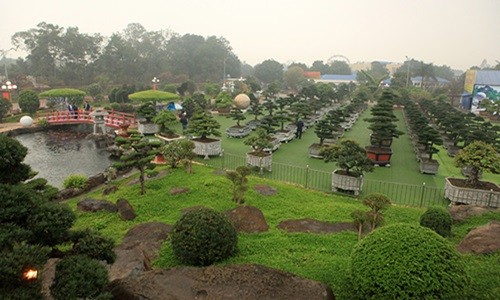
[323, 257]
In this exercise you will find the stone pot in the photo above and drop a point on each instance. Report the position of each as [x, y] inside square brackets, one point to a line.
[262, 160]
[456, 192]
[341, 181]
[207, 147]
[429, 166]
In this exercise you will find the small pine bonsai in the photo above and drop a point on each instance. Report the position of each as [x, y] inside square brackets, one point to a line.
[377, 202]
[437, 219]
[239, 180]
[202, 237]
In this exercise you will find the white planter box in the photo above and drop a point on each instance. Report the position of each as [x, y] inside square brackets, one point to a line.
[207, 148]
[458, 194]
[147, 128]
[347, 183]
[262, 162]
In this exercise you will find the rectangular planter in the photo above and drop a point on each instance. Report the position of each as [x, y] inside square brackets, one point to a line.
[346, 183]
[207, 148]
[238, 132]
[429, 166]
[262, 162]
[147, 128]
[379, 156]
[457, 194]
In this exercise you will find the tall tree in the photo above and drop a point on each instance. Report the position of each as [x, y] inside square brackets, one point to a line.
[294, 77]
[269, 71]
[340, 67]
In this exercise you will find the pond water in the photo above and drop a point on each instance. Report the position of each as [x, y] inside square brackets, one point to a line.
[57, 153]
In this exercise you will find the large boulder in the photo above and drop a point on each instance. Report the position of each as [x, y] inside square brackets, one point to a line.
[460, 213]
[139, 248]
[219, 282]
[93, 205]
[482, 240]
[125, 210]
[247, 219]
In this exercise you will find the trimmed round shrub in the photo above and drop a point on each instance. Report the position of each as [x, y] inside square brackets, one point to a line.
[202, 237]
[79, 276]
[76, 181]
[93, 245]
[437, 219]
[404, 261]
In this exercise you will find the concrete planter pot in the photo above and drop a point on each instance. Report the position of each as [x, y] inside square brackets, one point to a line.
[456, 193]
[147, 128]
[207, 147]
[238, 131]
[429, 166]
[314, 150]
[260, 160]
[342, 182]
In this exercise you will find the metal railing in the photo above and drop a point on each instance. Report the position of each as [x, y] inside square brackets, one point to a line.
[400, 193]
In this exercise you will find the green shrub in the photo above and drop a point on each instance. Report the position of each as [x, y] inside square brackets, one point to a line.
[404, 261]
[79, 276]
[43, 122]
[93, 245]
[437, 219]
[377, 202]
[202, 237]
[76, 181]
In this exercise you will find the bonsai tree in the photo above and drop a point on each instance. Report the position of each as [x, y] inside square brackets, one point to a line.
[239, 180]
[147, 111]
[237, 115]
[349, 156]
[428, 137]
[179, 152]
[478, 157]
[359, 218]
[165, 120]
[259, 141]
[382, 121]
[202, 125]
[138, 153]
[377, 202]
[324, 130]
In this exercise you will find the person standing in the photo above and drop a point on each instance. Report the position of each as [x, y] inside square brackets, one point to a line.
[300, 127]
[184, 121]
[86, 106]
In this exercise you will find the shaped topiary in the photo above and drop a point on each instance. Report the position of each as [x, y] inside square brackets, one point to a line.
[79, 276]
[202, 237]
[404, 261]
[437, 219]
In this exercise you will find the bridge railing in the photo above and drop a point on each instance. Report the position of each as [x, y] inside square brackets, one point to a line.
[112, 119]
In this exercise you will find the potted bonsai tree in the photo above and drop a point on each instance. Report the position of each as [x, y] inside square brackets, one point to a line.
[323, 130]
[147, 112]
[428, 137]
[201, 126]
[383, 130]
[478, 157]
[165, 120]
[352, 161]
[260, 140]
[237, 130]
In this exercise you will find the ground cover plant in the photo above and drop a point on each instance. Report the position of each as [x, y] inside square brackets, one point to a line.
[323, 257]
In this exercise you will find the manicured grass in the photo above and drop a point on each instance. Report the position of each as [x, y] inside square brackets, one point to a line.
[323, 257]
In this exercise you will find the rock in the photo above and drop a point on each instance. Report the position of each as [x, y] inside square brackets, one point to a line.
[482, 240]
[93, 205]
[95, 181]
[315, 226]
[48, 274]
[460, 213]
[219, 282]
[125, 210]
[247, 219]
[179, 190]
[265, 190]
[67, 193]
[109, 190]
[140, 246]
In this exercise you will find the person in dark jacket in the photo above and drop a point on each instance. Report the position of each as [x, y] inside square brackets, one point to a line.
[300, 126]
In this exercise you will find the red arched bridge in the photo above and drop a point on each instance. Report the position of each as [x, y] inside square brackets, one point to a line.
[111, 118]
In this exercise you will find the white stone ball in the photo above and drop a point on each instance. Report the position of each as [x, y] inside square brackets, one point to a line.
[242, 101]
[26, 121]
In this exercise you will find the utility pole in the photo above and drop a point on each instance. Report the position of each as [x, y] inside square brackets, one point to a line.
[407, 71]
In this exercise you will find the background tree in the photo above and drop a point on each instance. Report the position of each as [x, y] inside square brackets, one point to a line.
[269, 71]
[340, 67]
[5, 106]
[320, 66]
[293, 78]
[29, 101]
[95, 91]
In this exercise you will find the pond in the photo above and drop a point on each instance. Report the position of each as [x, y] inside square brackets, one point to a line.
[57, 153]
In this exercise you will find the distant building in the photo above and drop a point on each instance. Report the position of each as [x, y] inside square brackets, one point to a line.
[479, 85]
[337, 79]
[429, 82]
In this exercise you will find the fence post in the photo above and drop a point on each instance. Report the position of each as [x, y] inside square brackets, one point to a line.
[260, 166]
[307, 177]
[422, 195]
[489, 198]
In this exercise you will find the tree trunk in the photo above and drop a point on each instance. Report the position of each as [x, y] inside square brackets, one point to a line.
[360, 231]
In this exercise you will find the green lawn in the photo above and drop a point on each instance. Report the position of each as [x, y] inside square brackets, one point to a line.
[323, 257]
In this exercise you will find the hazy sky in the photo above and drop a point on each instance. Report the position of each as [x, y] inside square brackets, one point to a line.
[457, 33]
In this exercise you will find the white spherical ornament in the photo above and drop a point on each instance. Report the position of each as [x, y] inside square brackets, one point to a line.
[242, 101]
[26, 121]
